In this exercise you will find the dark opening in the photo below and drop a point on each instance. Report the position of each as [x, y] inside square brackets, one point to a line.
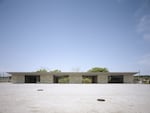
[32, 78]
[61, 79]
[115, 79]
[89, 79]
[55, 79]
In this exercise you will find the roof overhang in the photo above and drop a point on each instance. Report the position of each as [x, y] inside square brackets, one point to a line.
[67, 73]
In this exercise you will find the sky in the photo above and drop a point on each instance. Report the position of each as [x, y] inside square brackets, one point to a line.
[75, 35]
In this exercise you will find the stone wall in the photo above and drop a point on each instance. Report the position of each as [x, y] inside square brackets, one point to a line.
[128, 79]
[102, 78]
[18, 78]
[46, 78]
[75, 78]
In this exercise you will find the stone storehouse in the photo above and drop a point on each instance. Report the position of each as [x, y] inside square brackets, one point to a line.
[72, 77]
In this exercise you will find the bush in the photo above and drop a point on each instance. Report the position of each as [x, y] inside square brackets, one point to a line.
[63, 80]
[86, 80]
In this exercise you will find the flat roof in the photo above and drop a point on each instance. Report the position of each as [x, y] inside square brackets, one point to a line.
[72, 72]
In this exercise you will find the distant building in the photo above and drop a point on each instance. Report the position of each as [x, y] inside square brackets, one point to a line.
[145, 79]
[5, 79]
[72, 77]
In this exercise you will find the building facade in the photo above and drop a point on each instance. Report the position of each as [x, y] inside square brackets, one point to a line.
[72, 77]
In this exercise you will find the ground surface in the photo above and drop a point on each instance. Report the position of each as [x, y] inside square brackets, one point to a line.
[74, 98]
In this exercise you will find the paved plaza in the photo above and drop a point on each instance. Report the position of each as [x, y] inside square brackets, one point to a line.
[74, 98]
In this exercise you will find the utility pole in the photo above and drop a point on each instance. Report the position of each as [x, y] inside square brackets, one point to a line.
[139, 72]
[139, 76]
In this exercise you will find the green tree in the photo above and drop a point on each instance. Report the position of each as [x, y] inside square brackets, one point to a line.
[42, 70]
[98, 69]
[56, 71]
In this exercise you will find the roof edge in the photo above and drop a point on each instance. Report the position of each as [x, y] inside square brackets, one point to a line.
[72, 72]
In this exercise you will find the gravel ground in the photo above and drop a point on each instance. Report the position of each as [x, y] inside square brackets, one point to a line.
[74, 98]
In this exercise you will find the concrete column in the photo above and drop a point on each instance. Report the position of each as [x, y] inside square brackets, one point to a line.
[75, 79]
[13, 79]
[128, 78]
[102, 78]
[46, 78]
[18, 79]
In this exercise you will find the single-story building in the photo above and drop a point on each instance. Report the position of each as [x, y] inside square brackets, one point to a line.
[72, 77]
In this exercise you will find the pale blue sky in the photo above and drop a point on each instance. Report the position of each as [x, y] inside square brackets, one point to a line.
[73, 35]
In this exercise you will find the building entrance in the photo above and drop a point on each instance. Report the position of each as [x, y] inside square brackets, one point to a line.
[32, 78]
[115, 79]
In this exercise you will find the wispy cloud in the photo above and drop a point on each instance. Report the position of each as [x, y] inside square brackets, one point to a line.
[145, 60]
[145, 6]
[144, 24]
[143, 64]
[147, 37]
[144, 27]
[143, 17]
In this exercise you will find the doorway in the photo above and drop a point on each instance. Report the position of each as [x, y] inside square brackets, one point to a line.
[61, 79]
[32, 78]
[115, 79]
[89, 79]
